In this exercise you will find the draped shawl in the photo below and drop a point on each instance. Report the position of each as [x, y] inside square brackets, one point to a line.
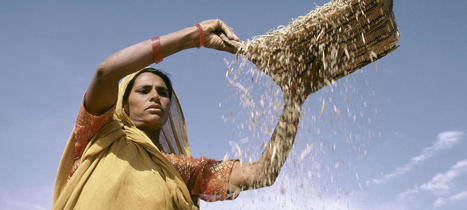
[121, 168]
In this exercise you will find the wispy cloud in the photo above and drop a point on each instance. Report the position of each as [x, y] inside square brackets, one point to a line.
[459, 196]
[441, 185]
[30, 198]
[20, 204]
[439, 202]
[456, 197]
[446, 140]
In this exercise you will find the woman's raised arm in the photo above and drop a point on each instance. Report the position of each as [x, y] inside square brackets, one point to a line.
[264, 172]
[103, 88]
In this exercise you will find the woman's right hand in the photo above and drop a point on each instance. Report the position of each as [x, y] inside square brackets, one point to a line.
[219, 36]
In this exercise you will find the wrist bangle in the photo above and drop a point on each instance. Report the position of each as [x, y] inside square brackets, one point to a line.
[201, 35]
[156, 49]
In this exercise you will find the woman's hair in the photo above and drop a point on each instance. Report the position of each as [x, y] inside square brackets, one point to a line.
[157, 72]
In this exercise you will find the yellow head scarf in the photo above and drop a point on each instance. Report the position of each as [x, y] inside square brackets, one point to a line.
[121, 168]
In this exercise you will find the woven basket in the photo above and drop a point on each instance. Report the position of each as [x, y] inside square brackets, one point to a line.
[326, 44]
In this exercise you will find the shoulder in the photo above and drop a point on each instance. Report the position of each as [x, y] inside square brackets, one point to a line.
[87, 125]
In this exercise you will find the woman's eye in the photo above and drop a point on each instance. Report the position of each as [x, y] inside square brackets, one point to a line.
[163, 93]
[144, 91]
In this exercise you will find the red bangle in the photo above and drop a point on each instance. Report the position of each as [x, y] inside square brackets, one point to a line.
[201, 35]
[156, 49]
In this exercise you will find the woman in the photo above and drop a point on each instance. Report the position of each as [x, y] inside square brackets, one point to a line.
[114, 158]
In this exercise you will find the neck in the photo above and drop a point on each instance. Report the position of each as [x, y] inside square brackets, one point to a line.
[154, 136]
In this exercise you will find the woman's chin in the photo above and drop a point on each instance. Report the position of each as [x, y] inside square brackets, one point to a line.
[154, 121]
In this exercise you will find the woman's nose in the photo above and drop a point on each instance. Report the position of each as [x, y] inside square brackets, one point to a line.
[155, 96]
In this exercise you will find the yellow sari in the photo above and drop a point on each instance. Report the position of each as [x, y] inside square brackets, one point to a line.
[121, 168]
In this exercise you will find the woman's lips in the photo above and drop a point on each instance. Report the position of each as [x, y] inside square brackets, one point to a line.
[154, 108]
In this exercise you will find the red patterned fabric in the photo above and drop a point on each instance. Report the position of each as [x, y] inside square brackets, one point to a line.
[86, 127]
[205, 178]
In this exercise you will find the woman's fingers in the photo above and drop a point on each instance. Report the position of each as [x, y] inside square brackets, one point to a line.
[218, 27]
[230, 49]
[220, 36]
[228, 31]
[224, 44]
[231, 44]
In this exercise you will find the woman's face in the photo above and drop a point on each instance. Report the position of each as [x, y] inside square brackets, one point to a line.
[148, 102]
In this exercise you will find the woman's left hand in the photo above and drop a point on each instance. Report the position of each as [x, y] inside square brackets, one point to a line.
[219, 36]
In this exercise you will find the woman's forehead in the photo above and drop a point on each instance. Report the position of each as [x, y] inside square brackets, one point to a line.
[151, 79]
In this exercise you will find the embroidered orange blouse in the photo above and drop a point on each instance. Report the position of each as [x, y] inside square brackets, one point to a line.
[205, 178]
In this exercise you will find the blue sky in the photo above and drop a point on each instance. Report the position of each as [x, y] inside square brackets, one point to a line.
[404, 150]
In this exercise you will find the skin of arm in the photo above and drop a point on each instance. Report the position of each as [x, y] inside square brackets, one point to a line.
[263, 173]
[103, 89]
